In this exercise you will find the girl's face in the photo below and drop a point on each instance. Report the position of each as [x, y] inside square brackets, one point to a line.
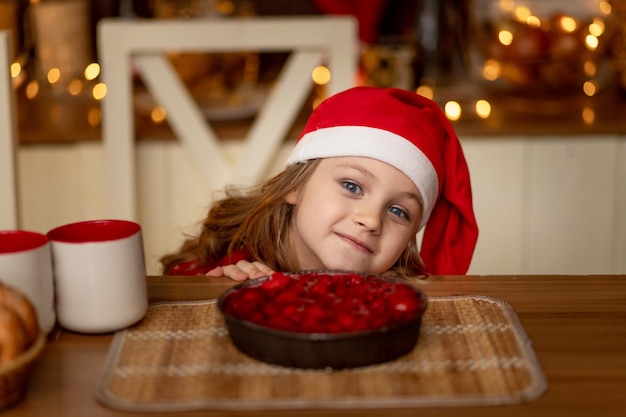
[353, 213]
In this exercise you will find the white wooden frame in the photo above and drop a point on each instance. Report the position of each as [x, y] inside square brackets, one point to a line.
[312, 41]
[9, 207]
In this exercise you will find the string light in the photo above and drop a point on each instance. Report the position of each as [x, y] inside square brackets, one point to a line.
[16, 69]
[483, 109]
[75, 87]
[491, 70]
[568, 24]
[533, 21]
[605, 7]
[99, 91]
[452, 110]
[590, 69]
[53, 76]
[92, 71]
[158, 114]
[505, 37]
[321, 75]
[32, 89]
[591, 42]
[597, 27]
[588, 115]
[522, 13]
[590, 88]
[426, 91]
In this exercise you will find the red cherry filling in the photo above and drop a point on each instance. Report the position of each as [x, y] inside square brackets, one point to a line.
[324, 303]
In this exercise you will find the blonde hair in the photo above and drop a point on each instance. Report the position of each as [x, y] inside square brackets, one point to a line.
[258, 219]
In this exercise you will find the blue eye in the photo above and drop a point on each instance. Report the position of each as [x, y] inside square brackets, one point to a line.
[398, 212]
[352, 187]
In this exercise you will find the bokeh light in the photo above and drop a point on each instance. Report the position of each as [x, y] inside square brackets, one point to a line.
[452, 110]
[92, 71]
[99, 91]
[158, 114]
[483, 109]
[53, 76]
[321, 75]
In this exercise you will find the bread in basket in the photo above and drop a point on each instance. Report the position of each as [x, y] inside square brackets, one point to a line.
[21, 344]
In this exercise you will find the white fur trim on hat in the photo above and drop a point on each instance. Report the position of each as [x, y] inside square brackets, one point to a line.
[373, 143]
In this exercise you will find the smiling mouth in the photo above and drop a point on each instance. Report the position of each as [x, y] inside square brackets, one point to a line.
[356, 243]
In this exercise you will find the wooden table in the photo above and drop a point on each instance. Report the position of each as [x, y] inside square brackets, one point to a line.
[577, 325]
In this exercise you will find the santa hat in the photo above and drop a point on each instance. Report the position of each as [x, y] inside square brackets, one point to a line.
[409, 132]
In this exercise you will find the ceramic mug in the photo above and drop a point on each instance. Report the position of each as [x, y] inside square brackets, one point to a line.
[100, 275]
[26, 265]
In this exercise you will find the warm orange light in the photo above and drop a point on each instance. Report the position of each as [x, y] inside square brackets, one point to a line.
[491, 70]
[53, 76]
[158, 114]
[321, 75]
[590, 68]
[591, 42]
[426, 91]
[92, 71]
[588, 115]
[568, 24]
[533, 21]
[505, 37]
[522, 13]
[99, 91]
[590, 88]
[16, 69]
[32, 89]
[452, 110]
[75, 87]
[483, 109]
[605, 7]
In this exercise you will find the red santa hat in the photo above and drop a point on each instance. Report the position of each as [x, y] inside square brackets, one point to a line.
[409, 132]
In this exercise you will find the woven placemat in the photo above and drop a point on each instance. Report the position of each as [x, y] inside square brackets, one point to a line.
[472, 350]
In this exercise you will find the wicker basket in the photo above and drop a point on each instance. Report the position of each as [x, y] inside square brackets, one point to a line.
[14, 375]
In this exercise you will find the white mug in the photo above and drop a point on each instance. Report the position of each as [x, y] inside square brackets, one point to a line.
[100, 275]
[26, 265]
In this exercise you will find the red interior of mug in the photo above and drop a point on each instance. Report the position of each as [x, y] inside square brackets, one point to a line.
[20, 240]
[94, 231]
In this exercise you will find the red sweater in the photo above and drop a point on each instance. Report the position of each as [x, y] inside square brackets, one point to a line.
[194, 268]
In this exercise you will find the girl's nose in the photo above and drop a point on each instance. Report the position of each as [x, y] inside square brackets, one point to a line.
[368, 218]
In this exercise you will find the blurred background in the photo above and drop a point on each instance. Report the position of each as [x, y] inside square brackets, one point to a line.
[536, 91]
[544, 56]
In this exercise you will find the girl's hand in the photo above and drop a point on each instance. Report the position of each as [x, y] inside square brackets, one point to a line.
[241, 271]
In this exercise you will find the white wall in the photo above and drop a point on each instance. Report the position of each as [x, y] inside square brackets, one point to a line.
[544, 204]
[549, 204]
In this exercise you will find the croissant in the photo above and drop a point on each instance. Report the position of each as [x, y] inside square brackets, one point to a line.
[18, 323]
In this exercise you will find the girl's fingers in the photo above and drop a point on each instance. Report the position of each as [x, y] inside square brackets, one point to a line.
[254, 269]
[241, 271]
[262, 270]
[215, 272]
[229, 271]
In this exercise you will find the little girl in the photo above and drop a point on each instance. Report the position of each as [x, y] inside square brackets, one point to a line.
[371, 168]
